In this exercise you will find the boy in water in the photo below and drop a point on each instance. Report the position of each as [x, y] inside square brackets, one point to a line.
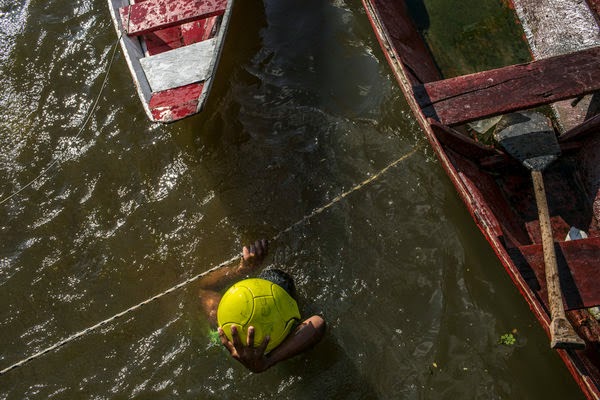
[303, 337]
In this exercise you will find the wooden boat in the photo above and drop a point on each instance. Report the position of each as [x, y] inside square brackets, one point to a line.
[172, 48]
[496, 187]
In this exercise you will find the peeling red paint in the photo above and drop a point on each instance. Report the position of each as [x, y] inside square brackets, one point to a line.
[577, 262]
[165, 25]
[173, 104]
[515, 87]
[152, 15]
[179, 36]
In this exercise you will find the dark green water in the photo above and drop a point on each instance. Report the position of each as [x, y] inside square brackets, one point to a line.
[469, 36]
[303, 107]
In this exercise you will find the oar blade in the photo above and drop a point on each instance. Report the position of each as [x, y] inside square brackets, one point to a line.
[529, 138]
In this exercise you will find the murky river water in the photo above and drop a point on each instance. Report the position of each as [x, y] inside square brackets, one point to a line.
[304, 107]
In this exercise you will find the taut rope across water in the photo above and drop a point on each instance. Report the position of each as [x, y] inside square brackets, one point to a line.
[200, 275]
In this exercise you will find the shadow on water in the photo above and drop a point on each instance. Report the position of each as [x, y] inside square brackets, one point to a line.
[326, 372]
[331, 374]
[288, 135]
[272, 144]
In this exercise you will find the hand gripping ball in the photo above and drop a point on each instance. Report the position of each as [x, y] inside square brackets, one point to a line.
[261, 304]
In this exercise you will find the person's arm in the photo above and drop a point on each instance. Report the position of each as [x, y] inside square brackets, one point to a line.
[252, 257]
[305, 336]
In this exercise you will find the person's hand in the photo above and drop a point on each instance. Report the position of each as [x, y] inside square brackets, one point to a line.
[253, 255]
[251, 357]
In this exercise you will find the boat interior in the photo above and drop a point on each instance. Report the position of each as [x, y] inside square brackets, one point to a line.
[499, 185]
[572, 185]
[169, 38]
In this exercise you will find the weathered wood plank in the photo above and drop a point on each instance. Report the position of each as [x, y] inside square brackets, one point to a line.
[173, 104]
[180, 66]
[461, 143]
[499, 91]
[577, 262]
[555, 27]
[589, 126]
[153, 15]
[178, 36]
[595, 7]
[405, 39]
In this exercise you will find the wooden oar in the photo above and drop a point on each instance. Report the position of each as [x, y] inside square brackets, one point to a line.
[529, 137]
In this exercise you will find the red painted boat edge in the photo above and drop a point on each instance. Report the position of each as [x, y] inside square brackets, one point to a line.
[174, 104]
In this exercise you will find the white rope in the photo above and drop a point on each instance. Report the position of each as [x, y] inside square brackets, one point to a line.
[114, 317]
[348, 192]
[200, 275]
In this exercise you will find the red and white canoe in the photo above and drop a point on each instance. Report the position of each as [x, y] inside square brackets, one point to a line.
[172, 48]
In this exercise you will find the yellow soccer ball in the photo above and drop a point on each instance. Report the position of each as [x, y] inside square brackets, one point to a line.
[261, 304]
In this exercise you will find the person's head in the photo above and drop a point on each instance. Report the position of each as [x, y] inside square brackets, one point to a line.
[280, 278]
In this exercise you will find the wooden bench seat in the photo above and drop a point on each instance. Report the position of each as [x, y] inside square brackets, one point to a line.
[152, 15]
[580, 289]
[588, 126]
[180, 66]
[499, 91]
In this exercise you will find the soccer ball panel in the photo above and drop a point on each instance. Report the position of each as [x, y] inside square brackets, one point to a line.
[237, 305]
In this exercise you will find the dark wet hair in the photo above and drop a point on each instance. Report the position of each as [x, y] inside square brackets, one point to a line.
[280, 278]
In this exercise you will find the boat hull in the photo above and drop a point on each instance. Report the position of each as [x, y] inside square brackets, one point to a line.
[171, 101]
[499, 196]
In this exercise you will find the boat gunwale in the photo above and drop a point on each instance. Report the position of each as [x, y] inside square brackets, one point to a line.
[223, 28]
[128, 47]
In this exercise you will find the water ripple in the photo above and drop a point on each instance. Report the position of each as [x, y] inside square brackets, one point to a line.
[13, 16]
